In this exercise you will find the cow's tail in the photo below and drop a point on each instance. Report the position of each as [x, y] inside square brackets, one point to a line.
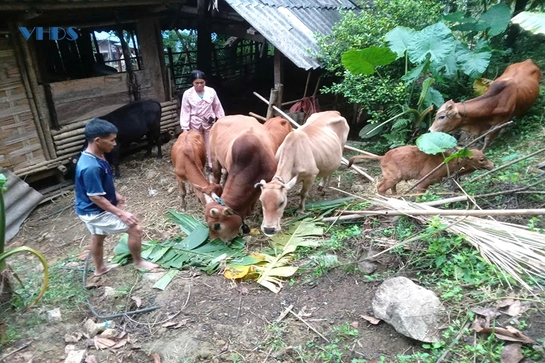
[353, 158]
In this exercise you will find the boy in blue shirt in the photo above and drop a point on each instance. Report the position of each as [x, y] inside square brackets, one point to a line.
[97, 201]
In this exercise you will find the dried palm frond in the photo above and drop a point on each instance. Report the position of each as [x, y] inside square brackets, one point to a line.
[515, 249]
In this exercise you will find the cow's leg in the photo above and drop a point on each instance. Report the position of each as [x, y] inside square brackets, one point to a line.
[307, 184]
[489, 138]
[206, 135]
[183, 192]
[324, 183]
[216, 172]
[114, 158]
[386, 184]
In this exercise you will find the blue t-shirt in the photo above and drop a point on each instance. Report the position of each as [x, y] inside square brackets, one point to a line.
[93, 177]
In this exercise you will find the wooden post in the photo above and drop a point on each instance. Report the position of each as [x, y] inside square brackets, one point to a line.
[203, 38]
[278, 67]
[153, 57]
[272, 103]
[279, 87]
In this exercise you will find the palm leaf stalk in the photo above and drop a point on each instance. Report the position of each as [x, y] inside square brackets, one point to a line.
[514, 249]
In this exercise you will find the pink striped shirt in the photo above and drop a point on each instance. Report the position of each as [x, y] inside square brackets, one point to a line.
[195, 111]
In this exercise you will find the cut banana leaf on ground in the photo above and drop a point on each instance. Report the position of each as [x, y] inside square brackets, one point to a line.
[271, 269]
[195, 249]
[163, 282]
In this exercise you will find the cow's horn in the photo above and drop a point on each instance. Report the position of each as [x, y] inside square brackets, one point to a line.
[260, 184]
[208, 198]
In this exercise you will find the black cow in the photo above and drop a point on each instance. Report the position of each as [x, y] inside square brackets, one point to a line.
[133, 121]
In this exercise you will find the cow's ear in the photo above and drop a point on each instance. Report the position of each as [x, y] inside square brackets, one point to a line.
[291, 183]
[214, 213]
[228, 212]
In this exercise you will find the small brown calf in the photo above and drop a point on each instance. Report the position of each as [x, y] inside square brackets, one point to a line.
[408, 162]
[189, 157]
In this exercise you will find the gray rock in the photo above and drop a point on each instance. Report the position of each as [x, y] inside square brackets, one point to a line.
[366, 267]
[54, 316]
[411, 309]
[75, 356]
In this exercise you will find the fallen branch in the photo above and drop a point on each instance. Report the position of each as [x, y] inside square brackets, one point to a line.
[452, 212]
[2, 359]
[310, 326]
[506, 165]
[296, 125]
[358, 150]
[472, 142]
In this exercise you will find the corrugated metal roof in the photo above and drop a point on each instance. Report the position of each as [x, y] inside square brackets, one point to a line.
[20, 199]
[290, 25]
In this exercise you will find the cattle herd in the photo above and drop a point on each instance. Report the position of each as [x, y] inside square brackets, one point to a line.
[264, 161]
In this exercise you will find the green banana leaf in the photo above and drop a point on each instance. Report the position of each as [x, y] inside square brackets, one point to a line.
[195, 249]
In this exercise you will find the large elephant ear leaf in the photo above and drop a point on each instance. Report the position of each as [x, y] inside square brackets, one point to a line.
[364, 61]
[435, 142]
[497, 18]
[473, 63]
[399, 39]
[435, 41]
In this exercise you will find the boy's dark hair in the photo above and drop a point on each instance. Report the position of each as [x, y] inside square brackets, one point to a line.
[196, 74]
[98, 127]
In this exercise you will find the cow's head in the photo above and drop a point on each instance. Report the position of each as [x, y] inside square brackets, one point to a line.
[223, 222]
[475, 162]
[447, 119]
[274, 198]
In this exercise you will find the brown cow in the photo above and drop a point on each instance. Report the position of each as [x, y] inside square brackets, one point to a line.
[278, 129]
[408, 162]
[511, 94]
[245, 148]
[313, 150]
[189, 158]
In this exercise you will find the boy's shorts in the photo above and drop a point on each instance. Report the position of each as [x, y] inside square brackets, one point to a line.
[104, 223]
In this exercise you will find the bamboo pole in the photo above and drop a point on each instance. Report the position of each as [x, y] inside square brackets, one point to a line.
[68, 134]
[451, 212]
[259, 117]
[44, 165]
[272, 101]
[506, 165]
[296, 125]
[359, 150]
[69, 145]
[70, 139]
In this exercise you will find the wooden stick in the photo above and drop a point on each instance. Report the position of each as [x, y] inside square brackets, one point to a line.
[296, 125]
[284, 313]
[15, 351]
[310, 326]
[452, 212]
[282, 113]
[506, 165]
[358, 150]
[259, 117]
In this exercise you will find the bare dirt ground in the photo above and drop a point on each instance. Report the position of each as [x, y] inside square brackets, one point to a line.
[201, 318]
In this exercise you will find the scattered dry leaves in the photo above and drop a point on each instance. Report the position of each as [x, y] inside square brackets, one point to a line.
[103, 343]
[511, 353]
[137, 301]
[370, 319]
